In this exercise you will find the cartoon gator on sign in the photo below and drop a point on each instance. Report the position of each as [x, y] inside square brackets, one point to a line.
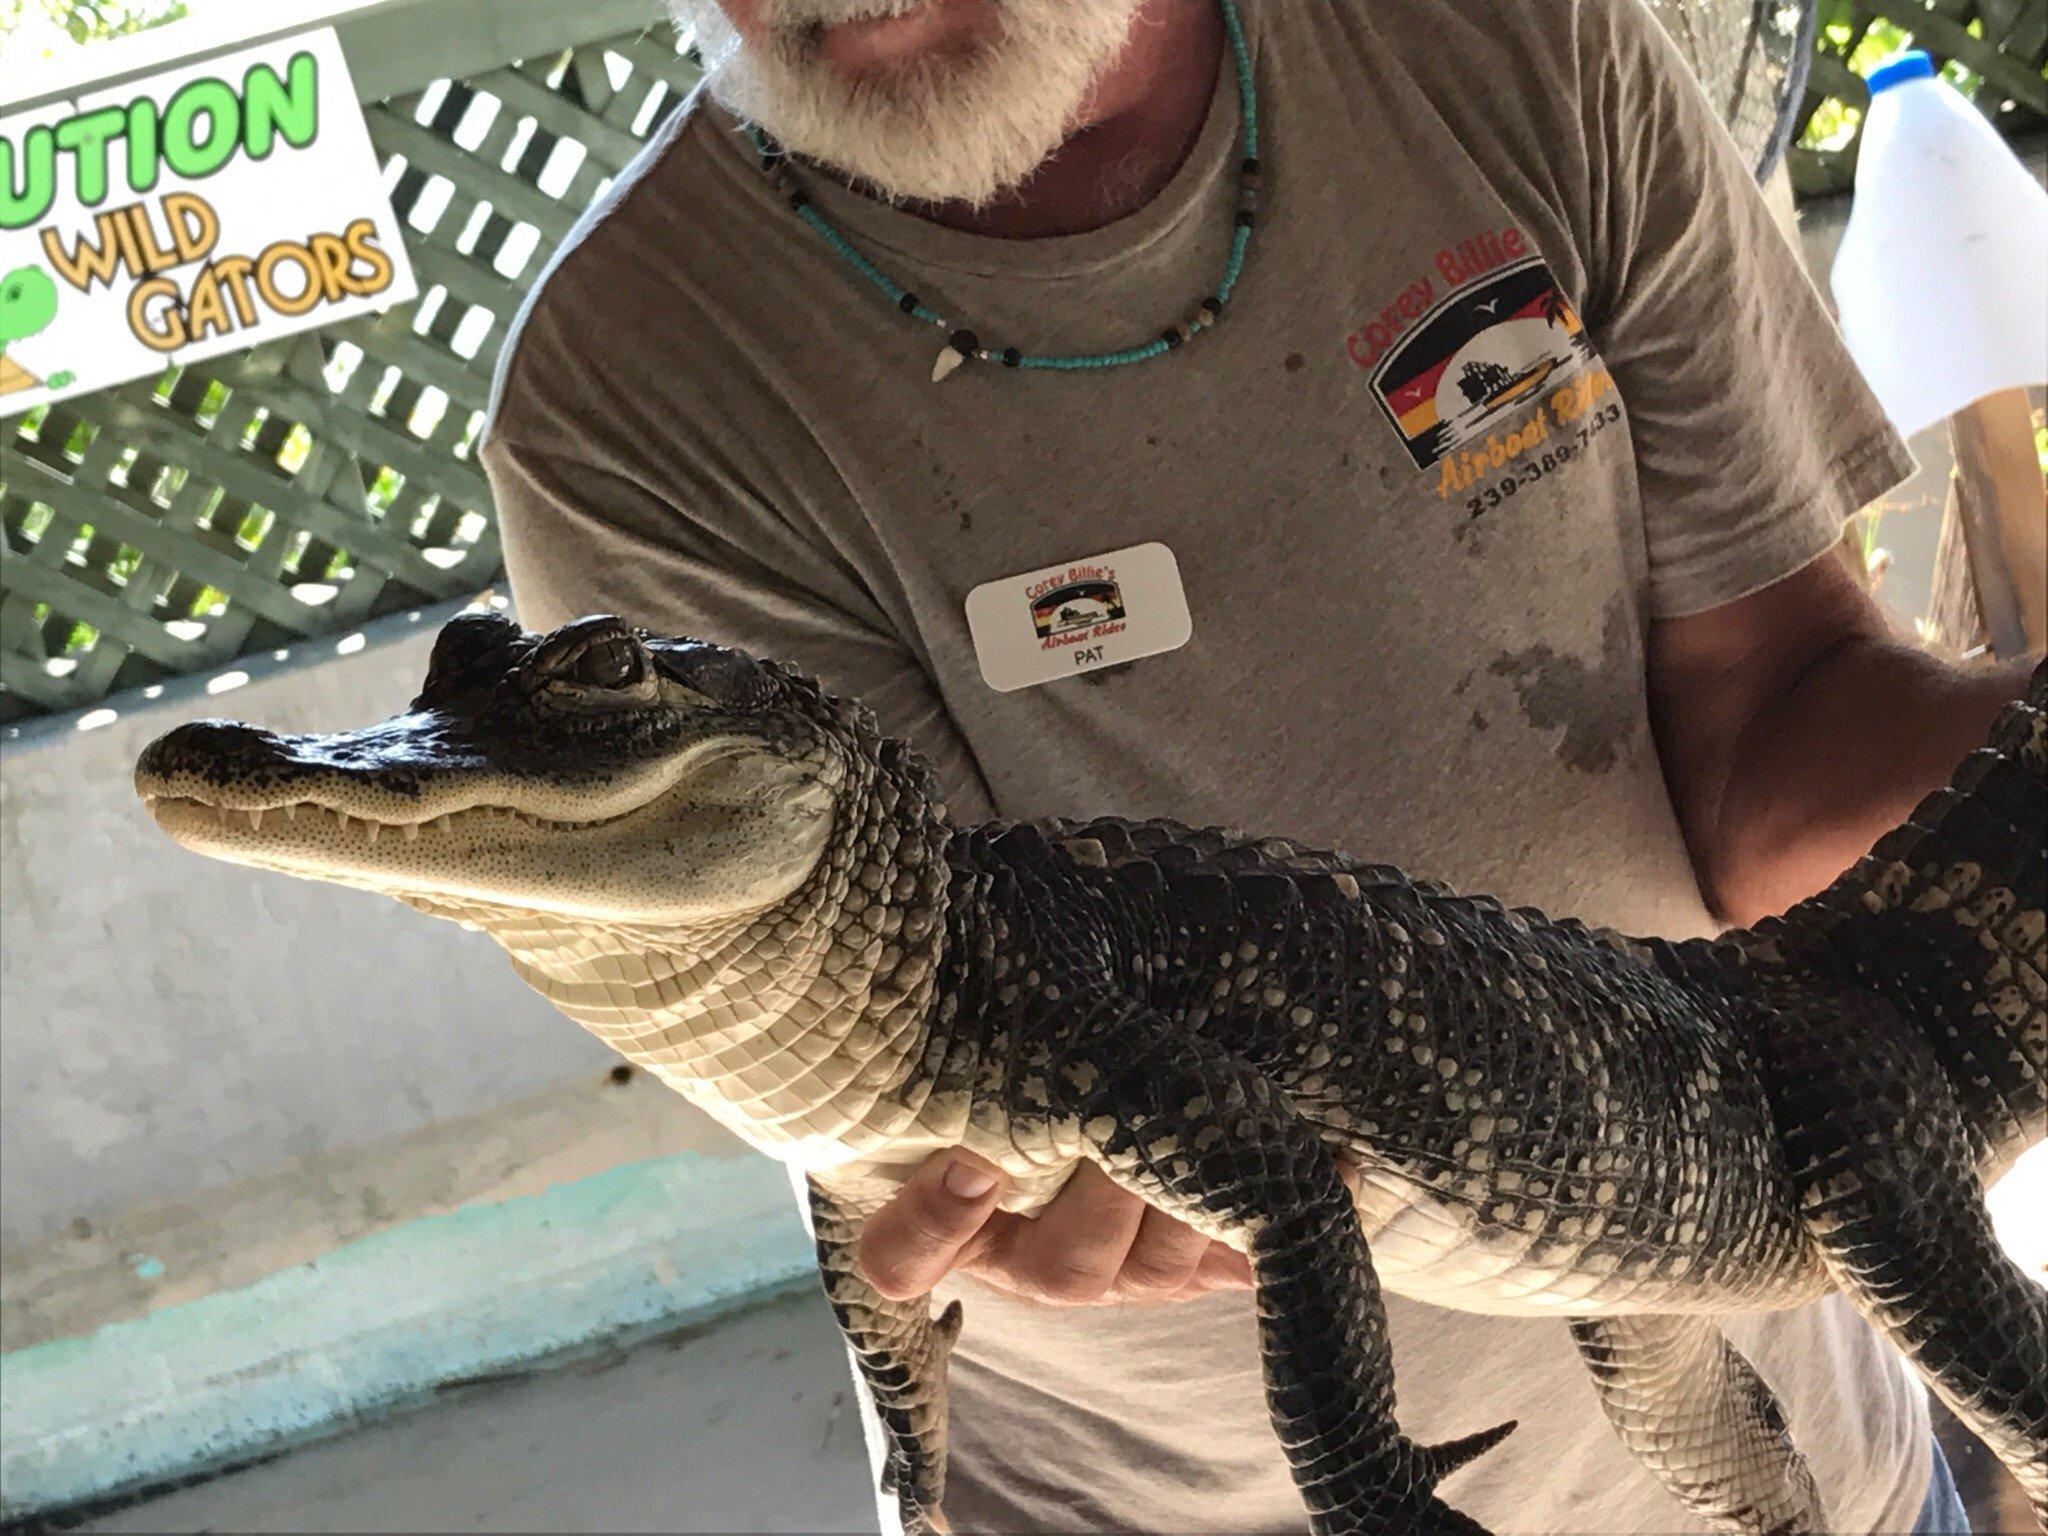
[28, 303]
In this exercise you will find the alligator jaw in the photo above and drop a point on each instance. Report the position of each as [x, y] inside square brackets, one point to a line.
[191, 819]
[714, 828]
[313, 840]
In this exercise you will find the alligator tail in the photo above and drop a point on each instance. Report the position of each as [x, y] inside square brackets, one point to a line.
[1948, 917]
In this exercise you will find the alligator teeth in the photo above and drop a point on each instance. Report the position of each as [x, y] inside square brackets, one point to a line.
[291, 813]
[255, 821]
[442, 823]
[412, 831]
[374, 828]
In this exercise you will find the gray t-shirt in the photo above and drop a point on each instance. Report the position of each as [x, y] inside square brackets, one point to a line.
[1519, 365]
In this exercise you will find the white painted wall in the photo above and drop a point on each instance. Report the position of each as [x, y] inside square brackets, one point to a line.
[169, 1024]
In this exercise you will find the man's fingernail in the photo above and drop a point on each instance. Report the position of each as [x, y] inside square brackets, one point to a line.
[964, 1181]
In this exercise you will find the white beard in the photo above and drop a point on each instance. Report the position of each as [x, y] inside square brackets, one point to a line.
[964, 130]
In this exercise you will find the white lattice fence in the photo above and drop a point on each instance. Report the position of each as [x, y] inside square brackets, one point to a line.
[298, 489]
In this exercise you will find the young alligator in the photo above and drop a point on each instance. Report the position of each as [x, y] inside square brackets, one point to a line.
[738, 883]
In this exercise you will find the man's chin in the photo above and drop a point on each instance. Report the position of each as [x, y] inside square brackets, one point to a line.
[899, 112]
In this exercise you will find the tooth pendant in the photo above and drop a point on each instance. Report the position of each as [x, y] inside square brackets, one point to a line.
[947, 364]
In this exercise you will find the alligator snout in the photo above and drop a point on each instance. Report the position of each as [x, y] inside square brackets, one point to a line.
[218, 752]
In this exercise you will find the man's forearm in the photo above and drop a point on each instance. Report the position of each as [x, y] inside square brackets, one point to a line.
[1837, 758]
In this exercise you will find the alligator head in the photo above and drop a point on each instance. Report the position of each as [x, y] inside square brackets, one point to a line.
[659, 831]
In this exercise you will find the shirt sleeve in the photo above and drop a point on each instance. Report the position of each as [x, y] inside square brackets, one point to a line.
[1755, 435]
[580, 539]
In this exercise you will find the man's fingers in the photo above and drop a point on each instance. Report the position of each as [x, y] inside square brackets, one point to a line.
[1074, 1249]
[912, 1242]
[1093, 1242]
[1222, 1268]
[1163, 1257]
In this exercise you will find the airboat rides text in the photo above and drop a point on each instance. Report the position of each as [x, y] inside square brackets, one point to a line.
[115, 152]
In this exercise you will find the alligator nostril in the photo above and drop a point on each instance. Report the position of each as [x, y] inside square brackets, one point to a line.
[213, 749]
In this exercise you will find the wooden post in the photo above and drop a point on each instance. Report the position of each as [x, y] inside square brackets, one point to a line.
[2000, 510]
[1953, 625]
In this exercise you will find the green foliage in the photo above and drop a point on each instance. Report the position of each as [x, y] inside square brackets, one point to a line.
[89, 21]
[1835, 122]
[1989, 50]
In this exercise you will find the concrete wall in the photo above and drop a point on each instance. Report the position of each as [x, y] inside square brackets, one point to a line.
[280, 1157]
[173, 1024]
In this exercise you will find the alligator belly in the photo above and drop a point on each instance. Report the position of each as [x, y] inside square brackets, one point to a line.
[1523, 1259]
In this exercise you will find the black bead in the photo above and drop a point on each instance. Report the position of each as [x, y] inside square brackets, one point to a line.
[966, 343]
[1246, 218]
[1211, 310]
[799, 198]
[908, 303]
[1171, 338]
[1250, 166]
[1012, 357]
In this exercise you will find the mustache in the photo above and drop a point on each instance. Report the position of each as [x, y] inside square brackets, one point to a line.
[804, 15]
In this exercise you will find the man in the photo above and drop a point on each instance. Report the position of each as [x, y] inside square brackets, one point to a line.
[1500, 499]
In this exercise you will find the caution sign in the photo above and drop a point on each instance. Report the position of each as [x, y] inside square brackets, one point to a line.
[203, 211]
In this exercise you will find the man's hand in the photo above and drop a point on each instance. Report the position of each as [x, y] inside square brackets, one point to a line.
[1094, 1243]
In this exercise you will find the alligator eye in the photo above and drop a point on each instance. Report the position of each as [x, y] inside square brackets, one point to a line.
[613, 663]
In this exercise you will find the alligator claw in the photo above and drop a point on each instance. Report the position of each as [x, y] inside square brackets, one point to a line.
[1439, 1461]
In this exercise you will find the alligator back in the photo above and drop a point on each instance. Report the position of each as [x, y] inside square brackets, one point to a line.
[1945, 919]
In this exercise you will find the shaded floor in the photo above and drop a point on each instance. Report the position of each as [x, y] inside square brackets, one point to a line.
[747, 1425]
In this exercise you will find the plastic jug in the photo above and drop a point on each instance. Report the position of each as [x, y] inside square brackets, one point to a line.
[1942, 276]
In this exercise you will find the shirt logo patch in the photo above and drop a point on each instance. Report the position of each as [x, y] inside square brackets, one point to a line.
[1504, 342]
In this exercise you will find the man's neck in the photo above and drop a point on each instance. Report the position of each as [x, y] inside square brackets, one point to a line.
[1139, 126]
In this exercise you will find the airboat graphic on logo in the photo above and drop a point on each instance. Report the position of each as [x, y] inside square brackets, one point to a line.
[1504, 342]
[1078, 605]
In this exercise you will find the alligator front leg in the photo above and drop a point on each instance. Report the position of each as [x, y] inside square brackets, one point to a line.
[902, 1350]
[1888, 1190]
[1693, 1411]
[1203, 1135]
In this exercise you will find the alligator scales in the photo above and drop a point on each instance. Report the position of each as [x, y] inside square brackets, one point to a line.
[736, 881]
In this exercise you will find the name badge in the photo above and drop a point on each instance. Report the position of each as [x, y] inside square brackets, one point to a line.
[1078, 617]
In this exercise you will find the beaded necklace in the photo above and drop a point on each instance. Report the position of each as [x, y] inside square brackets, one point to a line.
[962, 344]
